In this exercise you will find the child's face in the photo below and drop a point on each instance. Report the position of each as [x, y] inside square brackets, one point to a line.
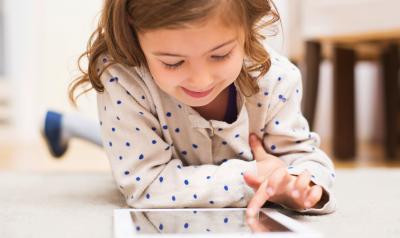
[196, 63]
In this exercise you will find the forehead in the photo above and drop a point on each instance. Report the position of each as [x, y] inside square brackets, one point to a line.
[196, 38]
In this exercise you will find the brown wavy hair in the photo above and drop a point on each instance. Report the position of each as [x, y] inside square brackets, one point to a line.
[121, 20]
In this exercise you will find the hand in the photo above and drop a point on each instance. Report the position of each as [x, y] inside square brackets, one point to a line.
[275, 184]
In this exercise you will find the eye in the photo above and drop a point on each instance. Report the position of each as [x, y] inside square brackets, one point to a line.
[221, 57]
[173, 66]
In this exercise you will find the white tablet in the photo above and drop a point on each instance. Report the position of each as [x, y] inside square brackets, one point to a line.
[204, 222]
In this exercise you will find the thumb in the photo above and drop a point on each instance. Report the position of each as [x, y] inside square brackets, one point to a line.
[257, 147]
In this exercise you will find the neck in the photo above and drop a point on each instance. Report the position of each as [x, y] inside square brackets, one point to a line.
[216, 109]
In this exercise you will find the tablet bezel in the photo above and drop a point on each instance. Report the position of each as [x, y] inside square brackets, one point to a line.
[123, 227]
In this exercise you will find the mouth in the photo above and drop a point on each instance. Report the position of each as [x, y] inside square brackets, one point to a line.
[196, 94]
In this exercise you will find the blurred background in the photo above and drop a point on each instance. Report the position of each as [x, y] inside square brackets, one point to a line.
[347, 51]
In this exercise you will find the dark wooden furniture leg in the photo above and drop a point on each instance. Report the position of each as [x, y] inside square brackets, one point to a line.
[310, 79]
[344, 134]
[390, 70]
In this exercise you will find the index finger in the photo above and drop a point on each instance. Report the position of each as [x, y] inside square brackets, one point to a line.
[258, 200]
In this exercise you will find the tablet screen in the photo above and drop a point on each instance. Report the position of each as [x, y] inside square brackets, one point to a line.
[197, 221]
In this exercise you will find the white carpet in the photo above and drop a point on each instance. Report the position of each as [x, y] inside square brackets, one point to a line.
[81, 205]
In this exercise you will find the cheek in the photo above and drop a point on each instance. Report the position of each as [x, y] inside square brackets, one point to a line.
[231, 69]
[164, 78]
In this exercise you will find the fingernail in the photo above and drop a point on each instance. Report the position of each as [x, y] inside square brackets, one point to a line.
[295, 194]
[250, 221]
[307, 204]
[270, 191]
[251, 212]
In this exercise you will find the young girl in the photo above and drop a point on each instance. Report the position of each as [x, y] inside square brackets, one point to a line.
[195, 112]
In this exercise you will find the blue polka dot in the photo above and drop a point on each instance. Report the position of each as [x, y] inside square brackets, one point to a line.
[186, 182]
[153, 128]
[128, 144]
[179, 167]
[161, 227]
[138, 228]
[208, 177]
[165, 127]
[141, 113]
[177, 130]
[137, 129]
[208, 230]
[226, 220]
[143, 97]
[118, 118]
[110, 144]
[169, 114]
[119, 102]
[137, 178]
[141, 157]
[220, 129]
[226, 188]
[224, 142]
[273, 147]
[173, 198]
[333, 175]
[266, 93]
[184, 152]
[224, 160]
[161, 179]
[121, 158]
[126, 172]
[195, 146]
[113, 129]
[241, 153]
[279, 78]
[237, 136]
[101, 123]
[290, 167]
[276, 122]
[186, 225]
[148, 196]
[312, 176]
[211, 202]
[154, 142]
[195, 212]
[195, 196]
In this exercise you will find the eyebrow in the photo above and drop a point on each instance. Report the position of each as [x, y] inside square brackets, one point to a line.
[158, 53]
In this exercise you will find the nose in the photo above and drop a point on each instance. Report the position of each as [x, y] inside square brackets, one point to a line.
[200, 78]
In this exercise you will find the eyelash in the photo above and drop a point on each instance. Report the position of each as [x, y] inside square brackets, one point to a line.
[215, 57]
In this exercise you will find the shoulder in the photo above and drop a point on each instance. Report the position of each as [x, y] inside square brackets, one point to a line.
[121, 81]
[282, 77]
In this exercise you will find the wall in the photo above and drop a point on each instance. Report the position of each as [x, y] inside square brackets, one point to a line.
[43, 39]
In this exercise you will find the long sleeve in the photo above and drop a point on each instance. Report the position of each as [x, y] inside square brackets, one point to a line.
[287, 135]
[143, 163]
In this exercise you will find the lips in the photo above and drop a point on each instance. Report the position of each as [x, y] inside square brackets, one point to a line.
[197, 94]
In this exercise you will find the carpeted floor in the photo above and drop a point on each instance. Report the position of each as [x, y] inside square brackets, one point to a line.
[81, 205]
